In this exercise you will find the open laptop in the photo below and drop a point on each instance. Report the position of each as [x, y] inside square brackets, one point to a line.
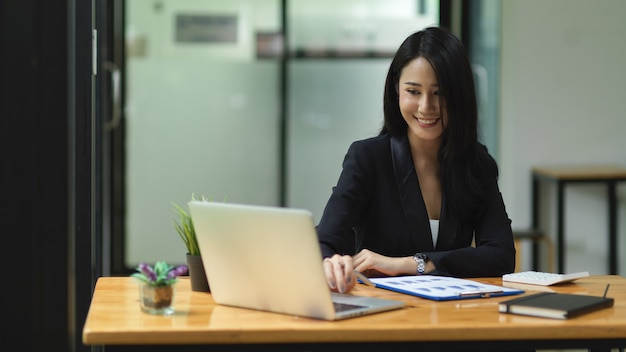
[268, 258]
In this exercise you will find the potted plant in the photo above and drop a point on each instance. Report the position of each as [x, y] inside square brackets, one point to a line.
[184, 228]
[156, 289]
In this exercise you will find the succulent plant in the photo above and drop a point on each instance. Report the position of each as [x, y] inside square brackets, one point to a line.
[162, 274]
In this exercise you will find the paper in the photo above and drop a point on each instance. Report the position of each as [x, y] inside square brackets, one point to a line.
[442, 287]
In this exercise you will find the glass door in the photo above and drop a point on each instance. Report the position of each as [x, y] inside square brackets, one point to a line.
[202, 117]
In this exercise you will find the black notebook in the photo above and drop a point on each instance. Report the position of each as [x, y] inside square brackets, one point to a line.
[555, 305]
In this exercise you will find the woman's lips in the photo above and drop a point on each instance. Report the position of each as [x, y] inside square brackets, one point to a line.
[427, 122]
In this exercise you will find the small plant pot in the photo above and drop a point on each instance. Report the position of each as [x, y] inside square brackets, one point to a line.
[197, 275]
[157, 299]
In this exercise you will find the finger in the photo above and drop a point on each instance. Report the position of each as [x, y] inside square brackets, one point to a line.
[351, 284]
[360, 263]
[347, 274]
[329, 273]
[339, 274]
[361, 260]
[348, 268]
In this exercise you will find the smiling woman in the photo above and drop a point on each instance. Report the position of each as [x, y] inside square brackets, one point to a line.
[414, 199]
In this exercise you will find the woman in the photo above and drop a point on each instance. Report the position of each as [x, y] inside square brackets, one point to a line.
[422, 197]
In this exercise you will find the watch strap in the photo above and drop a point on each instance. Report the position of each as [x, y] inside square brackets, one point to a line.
[421, 260]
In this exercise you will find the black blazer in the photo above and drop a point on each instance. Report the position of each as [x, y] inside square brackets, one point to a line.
[377, 204]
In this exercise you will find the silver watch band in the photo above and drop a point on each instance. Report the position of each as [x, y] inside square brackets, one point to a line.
[420, 259]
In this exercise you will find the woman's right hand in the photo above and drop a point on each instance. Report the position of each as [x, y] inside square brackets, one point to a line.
[339, 271]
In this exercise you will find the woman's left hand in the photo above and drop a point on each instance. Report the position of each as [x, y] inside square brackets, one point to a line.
[367, 261]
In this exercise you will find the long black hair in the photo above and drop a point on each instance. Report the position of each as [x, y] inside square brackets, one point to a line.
[465, 166]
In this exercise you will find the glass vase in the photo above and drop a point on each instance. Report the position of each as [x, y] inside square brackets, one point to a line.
[157, 299]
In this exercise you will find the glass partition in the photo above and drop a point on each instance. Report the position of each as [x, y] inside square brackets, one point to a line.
[201, 117]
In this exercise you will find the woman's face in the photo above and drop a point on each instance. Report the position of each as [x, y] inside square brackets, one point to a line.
[418, 95]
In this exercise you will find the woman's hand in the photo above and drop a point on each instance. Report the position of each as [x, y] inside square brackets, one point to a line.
[339, 271]
[367, 261]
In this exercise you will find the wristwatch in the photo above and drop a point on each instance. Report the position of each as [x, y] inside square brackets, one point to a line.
[421, 259]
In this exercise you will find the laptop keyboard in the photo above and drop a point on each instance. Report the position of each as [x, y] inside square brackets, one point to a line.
[342, 307]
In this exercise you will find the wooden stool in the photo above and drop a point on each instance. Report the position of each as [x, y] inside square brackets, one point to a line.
[537, 237]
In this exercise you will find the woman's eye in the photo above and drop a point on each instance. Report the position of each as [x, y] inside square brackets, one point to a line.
[413, 91]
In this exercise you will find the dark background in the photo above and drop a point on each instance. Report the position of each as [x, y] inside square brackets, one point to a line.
[47, 166]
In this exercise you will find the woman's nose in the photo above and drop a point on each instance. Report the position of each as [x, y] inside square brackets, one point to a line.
[428, 102]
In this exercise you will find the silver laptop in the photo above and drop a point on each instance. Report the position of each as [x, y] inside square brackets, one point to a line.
[268, 258]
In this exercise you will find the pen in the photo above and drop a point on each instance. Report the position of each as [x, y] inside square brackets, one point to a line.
[364, 279]
[478, 293]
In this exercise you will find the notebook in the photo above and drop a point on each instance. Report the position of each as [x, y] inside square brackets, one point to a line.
[268, 258]
[555, 305]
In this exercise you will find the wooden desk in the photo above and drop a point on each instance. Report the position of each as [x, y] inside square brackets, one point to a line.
[609, 175]
[115, 320]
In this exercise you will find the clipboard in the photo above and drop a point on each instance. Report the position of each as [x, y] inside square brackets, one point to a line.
[440, 288]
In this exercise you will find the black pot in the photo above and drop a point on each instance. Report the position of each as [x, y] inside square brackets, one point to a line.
[197, 274]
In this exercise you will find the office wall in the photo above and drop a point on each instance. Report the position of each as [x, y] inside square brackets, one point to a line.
[563, 103]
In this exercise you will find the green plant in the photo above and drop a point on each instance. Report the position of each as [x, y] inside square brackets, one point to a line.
[185, 229]
[162, 274]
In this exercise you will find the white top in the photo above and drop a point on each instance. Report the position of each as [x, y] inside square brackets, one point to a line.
[434, 229]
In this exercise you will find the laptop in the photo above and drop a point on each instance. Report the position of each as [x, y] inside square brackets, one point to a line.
[268, 258]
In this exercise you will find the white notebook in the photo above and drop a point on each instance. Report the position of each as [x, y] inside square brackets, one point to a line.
[268, 258]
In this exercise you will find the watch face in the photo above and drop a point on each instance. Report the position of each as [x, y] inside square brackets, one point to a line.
[424, 257]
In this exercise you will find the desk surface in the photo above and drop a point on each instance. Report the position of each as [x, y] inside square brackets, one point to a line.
[115, 318]
[591, 172]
